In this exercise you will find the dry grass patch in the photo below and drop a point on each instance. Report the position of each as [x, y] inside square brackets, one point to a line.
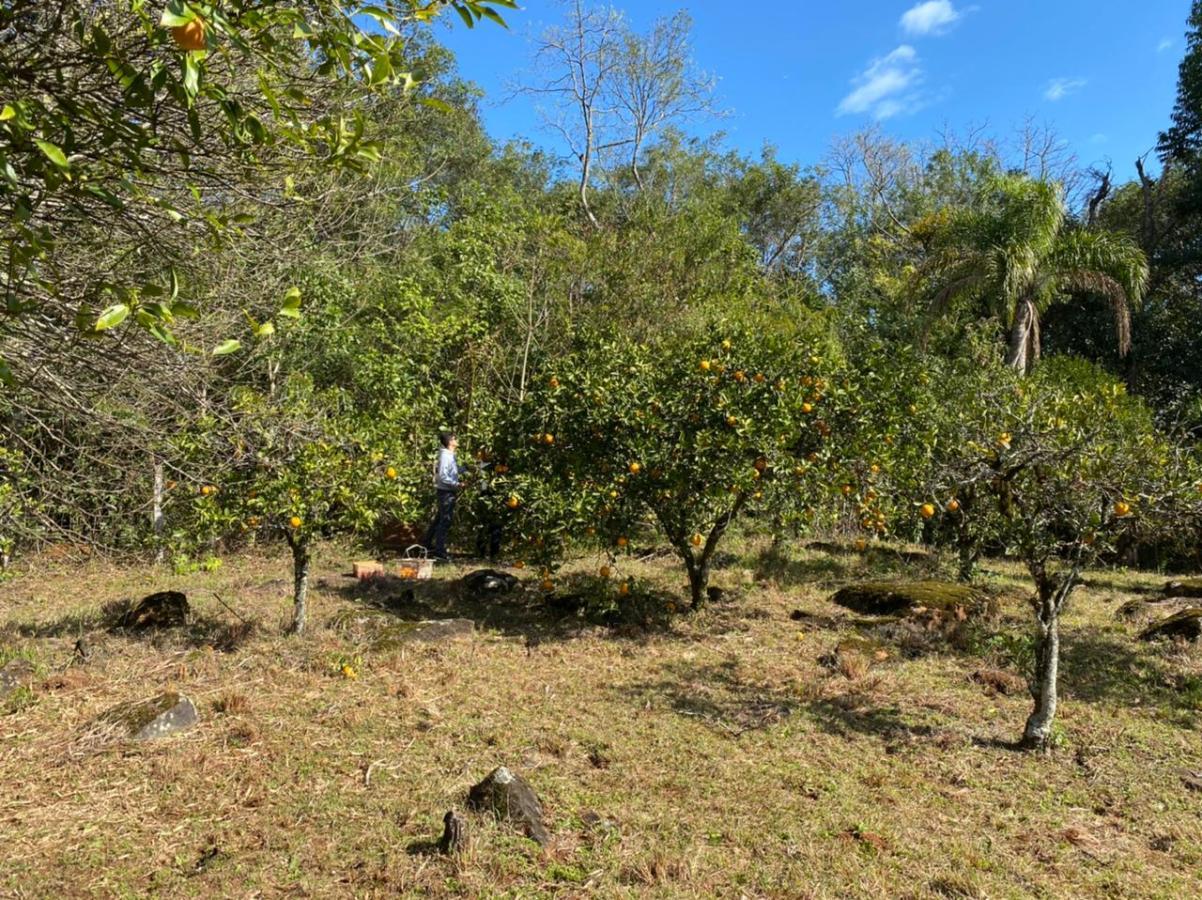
[714, 755]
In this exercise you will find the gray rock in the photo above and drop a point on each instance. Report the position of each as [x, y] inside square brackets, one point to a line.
[144, 720]
[511, 799]
[15, 674]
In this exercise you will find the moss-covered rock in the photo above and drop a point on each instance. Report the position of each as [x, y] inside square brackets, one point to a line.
[1132, 609]
[157, 717]
[1185, 587]
[1186, 624]
[398, 634]
[881, 598]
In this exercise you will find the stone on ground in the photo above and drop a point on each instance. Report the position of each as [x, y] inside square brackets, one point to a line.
[880, 598]
[1185, 587]
[999, 681]
[164, 609]
[511, 799]
[853, 657]
[454, 833]
[143, 720]
[1186, 624]
[489, 581]
[14, 675]
[397, 634]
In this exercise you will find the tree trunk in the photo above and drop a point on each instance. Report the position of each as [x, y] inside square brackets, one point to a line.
[1023, 348]
[1044, 684]
[1052, 595]
[968, 561]
[699, 576]
[300, 589]
[968, 550]
[156, 511]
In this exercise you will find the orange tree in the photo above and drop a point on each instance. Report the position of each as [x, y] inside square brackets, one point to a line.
[882, 404]
[1057, 468]
[293, 464]
[682, 433]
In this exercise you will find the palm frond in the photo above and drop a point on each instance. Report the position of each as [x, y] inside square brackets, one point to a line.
[1103, 263]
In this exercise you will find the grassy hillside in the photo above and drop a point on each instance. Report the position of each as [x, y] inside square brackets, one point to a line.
[726, 753]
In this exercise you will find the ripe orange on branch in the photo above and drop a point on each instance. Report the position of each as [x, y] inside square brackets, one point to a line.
[190, 36]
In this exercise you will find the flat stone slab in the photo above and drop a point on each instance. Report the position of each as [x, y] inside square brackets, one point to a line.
[398, 634]
[511, 799]
[882, 598]
[144, 720]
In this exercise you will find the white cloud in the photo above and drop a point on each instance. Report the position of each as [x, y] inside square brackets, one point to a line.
[1059, 88]
[930, 17]
[884, 88]
[1099, 138]
[1165, 44]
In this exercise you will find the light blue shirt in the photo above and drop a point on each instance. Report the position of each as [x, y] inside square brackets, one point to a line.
[446, 472]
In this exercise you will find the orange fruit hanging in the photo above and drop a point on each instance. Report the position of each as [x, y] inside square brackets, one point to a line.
[190, 36]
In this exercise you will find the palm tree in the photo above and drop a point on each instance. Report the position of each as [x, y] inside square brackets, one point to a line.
[1015, 253]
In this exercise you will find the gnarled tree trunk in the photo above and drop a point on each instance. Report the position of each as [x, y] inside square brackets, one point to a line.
[1023, 348]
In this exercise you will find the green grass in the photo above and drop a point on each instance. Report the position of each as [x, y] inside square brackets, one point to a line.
[728, 758]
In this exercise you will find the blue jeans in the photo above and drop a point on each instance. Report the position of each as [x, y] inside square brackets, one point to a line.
[436, 535]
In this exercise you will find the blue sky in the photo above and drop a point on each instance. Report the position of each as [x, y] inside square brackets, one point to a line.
[1101, 73]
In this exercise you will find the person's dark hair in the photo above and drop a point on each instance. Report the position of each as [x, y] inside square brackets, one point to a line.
[445, 437]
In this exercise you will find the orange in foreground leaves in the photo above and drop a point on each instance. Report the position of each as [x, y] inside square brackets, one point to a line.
[190, 36]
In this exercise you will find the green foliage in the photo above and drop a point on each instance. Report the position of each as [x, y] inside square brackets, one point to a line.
[165, 107]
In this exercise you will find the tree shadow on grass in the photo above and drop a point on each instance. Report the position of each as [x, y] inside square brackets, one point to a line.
[1096, 666]
[717, 695]
[1111, 584]
[221, 634]
[525, 611]
[829, 563]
